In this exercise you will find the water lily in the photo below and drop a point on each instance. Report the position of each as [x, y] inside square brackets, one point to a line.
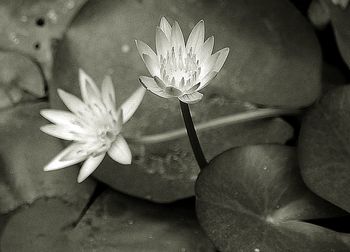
[94, 125]
[180, 70]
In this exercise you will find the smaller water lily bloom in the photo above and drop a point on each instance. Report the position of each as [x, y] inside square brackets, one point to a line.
[180, 70]
[94, 125]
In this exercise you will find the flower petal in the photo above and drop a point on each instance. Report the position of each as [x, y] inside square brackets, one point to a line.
[159, 82]
[132, 103]
[196, 38]
[59, 162]
[191, 98]
[151, 85]
[143, 48]
[223, 53]
[61, 132]
[63, 118]
[162, 43]
[165, 26]
[173, 91]
[88, 87]
[206, 49]
[152, 65]
[77, 106]
[89, 167]
[177, 38]
[208, 65]
[120, 151]
[206, 79]
[74, 104]
[193, 88]
[91, 94]
[108, 93]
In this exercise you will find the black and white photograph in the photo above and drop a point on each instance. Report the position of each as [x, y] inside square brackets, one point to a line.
[174, 125]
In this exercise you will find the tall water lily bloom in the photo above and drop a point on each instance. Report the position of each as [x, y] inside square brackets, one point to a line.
[94, 125]
[180, 70]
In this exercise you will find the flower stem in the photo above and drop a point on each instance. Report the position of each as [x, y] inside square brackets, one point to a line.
[192, 135]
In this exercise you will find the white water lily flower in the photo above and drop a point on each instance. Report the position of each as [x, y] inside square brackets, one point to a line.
[94, 125]
[180, 70]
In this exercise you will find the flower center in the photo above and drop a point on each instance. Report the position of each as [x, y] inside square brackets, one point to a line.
[179, 69]
[107, 136]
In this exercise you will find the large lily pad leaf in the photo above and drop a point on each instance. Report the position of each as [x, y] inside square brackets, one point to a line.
[33, 27]
[19, 78]
[166, 171]
[40, 227]
[324, 147]
[114, 223]
[121, 223]
[24, 151]
[274, 59]
[101, 41]
[253, 199]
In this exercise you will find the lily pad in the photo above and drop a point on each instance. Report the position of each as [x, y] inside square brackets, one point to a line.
[114, 223]
[121, 223]
[40, 227]
[32, 27]
[324, 147]
[252, 198]
[274, 59]
[101, 41]
[166, 171]
[24, 151]
[19, 77]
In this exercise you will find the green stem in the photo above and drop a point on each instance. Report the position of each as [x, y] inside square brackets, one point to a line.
[216, 123]
[192, 135]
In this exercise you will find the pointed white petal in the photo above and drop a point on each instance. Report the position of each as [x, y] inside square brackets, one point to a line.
[162, 43]
[61, 132]
[191, 98]
[206, 50]
[223, 53]
[149, 83]
[152, 65]
[177, 38]
[206, 80]
[165, 26]
[196, 38]
[132, 103]
[209, 65]
[108, 94]
[143, 48]
[119, 119]
[89, 167]
[59, 162]
[73, 103]
[120, 151]
[63, 118]
[173, 91]
[193, 88]
[152, 86]
[159, 82]
[88, 87]
[91, 94]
